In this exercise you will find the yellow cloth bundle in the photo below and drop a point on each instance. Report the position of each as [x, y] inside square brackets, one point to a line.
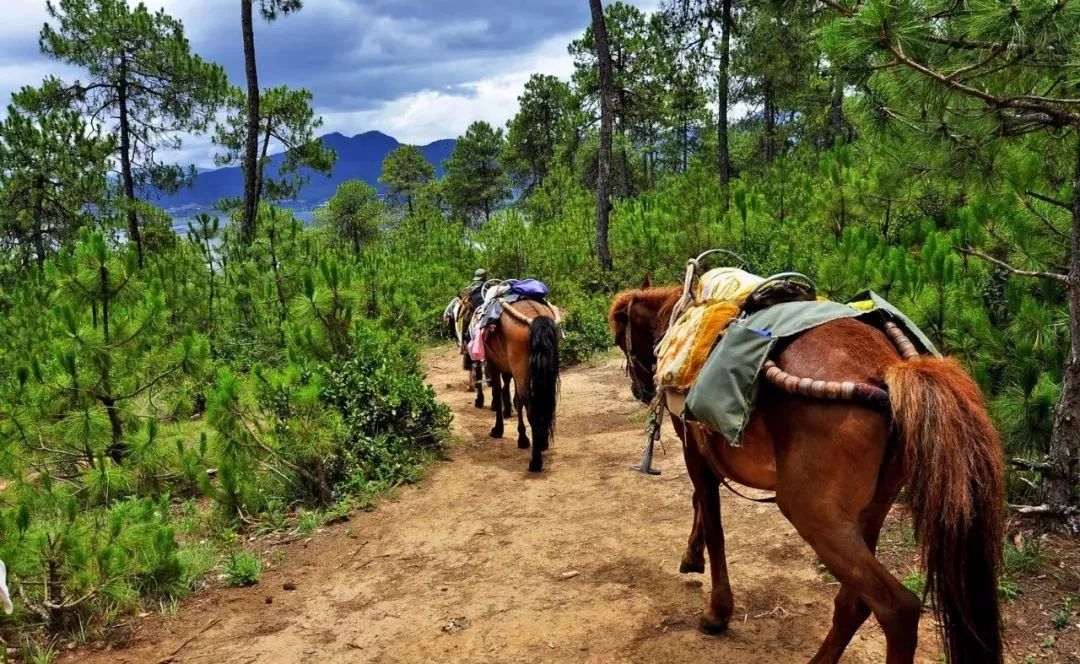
[718, 298]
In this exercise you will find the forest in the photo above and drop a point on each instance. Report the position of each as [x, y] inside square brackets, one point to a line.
[163, 396]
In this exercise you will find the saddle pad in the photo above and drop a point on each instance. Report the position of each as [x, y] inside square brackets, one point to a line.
[718, 299]
[726, 390]
[725, 283]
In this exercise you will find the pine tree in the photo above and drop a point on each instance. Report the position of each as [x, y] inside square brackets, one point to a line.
[52, 169]
[607, 99]
[270, 10]
[110, 322]
[476, 182]
[406, 173]
[142, 73]
[979, 83]
[286, 121]
[535, 134]
[354, 213]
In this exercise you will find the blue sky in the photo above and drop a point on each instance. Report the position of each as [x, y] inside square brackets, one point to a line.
[419, 70]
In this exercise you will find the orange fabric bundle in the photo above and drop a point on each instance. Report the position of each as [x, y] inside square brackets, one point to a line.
[683, 350]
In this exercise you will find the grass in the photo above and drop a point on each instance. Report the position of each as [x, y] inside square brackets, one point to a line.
[915, 582]
[197, 560]
[1009, 589]
[308, 522]
[1025, 558]
[1063, 616]
[40, 653]
[242, 569]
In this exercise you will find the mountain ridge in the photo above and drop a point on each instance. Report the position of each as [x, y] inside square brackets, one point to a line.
[360, 157]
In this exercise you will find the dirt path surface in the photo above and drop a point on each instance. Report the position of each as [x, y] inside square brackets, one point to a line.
[485, 562]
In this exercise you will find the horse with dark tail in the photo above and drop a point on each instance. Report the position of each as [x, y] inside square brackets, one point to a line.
[524, 347]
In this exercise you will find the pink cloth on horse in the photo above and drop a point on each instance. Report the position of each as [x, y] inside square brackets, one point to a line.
[476, 345]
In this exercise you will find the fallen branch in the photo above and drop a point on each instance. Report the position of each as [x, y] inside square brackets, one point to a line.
[171, 656]
[1027, 464]
[1046, 510]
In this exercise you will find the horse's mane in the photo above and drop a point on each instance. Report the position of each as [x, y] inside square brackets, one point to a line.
[662, 299]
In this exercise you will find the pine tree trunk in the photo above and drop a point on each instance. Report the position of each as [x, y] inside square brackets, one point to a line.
[260, 163]
[251, 147]
[1060, 483]
[770, 122]
[39, 215]
[603, 178]
[723, 84]
[128, 179]
[836, 113]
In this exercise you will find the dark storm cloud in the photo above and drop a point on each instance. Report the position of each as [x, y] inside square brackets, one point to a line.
[423, 69]
[356, 55]
[352, 54]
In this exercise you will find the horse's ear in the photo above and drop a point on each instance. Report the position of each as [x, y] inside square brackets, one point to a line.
[646, 282]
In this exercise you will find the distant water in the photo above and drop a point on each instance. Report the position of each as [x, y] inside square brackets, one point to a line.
[180, 223]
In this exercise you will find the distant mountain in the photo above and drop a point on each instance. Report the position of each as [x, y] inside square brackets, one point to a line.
[359, 158]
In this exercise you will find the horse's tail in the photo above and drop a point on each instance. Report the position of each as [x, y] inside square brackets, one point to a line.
[956, 480]
[543, 378]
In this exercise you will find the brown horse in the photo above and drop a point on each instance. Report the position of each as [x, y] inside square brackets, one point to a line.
[528, 353]
[837, 467]
[475, 369]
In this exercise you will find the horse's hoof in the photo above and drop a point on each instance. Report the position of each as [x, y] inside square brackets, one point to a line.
[536, 465]
[687, 567]
[523, 443]
[496, 432]
[508, 413]
[479, 403]
[710, 625]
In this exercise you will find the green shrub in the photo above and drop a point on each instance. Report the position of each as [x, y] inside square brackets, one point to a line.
[242, 569]
[587, 331]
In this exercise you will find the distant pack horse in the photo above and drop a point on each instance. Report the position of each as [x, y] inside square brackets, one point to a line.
[524, 346]
[837, 467]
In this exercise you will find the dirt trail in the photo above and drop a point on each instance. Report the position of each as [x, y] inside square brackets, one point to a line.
[470, 565]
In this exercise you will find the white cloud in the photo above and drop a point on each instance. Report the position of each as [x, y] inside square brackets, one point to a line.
[420, 116]
[428, 115]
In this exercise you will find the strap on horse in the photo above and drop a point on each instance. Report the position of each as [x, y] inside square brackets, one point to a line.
[767, 500]
[655, 420]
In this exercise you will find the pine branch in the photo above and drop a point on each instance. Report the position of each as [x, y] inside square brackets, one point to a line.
[1065, 205]
[1060, 116]
[1043, 218]
[1053, 276]
[837, 7]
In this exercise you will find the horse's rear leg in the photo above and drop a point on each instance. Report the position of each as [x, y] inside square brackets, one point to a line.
[478, 382]
[840, 540]
[707, 502]
[850, 611]
[495, 383]
[496, 398]
[506, 399]
[523, 436]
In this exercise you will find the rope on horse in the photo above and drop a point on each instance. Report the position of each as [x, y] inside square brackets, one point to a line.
[847, 390]
[522, 318]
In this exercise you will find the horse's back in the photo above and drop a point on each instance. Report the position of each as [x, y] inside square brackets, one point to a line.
[792, 436]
